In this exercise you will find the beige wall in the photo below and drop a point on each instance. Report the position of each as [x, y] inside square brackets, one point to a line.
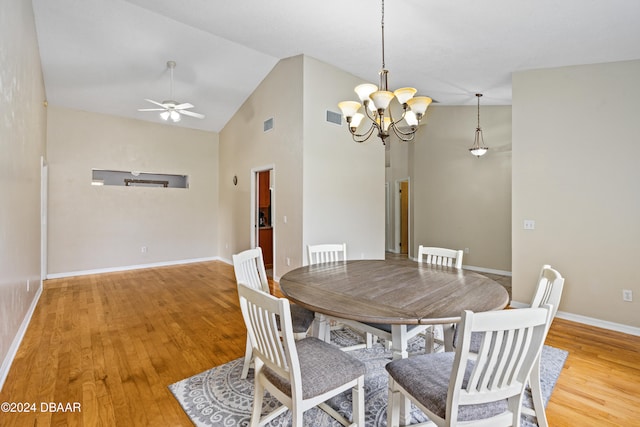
[343, 180]
[105, 227]
[575, 172]
[22, 144]
[244, 147]
[328, 188]
[458, 200]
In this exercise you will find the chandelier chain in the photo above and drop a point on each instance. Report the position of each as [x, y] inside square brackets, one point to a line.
[376, 101]
[382, 26]
[478, 95]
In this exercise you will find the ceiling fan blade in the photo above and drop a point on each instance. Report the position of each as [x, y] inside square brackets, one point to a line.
[191, 113]
[156, 102]
[183, 106]
[151, 109]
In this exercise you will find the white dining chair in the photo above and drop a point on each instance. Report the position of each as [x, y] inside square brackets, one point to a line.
[548, 292]
[447, 258]
[329, 252]
[440, 256]
[453, 388]
[301, 374]
[249, 269]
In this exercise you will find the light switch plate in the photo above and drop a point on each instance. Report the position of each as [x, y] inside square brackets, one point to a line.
[529, 224]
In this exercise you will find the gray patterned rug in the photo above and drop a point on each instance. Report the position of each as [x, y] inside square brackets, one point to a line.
[218, 397]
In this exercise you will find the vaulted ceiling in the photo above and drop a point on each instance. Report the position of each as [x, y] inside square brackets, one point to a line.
[108, 56]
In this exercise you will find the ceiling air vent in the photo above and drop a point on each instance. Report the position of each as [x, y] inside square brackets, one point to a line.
[267, 125]
[333, 117]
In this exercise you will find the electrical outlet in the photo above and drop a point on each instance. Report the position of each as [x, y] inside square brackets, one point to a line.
[288, 261]
[627, 295]
[466, 250]
[529, 224]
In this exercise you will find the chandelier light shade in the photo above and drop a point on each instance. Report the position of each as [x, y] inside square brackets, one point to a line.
[375, 103]
[478, 148]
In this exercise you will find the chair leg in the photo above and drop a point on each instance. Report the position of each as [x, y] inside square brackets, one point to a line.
[257, 403]
[428, 339]
[536, 394]
[248, 355]
[357, 396]
[448, 334]
[297, 415]
[393, 405]
[368, 340]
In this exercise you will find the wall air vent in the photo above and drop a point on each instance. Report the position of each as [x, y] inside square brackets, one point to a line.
[333, 117]
[268, 125]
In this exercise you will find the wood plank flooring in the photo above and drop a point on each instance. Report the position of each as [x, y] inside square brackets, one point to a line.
[112, 343]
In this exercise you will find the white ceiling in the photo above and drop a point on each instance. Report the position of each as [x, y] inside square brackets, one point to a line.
[107, 56]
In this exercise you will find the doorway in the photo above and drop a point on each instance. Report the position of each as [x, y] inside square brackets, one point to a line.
[403, 196]
[263, 215]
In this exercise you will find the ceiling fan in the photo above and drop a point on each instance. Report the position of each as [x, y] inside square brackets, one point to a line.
[172, 109]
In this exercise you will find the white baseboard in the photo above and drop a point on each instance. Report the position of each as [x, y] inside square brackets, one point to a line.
[130, 267]
[486, 270]
[17, 340]
[604, 324]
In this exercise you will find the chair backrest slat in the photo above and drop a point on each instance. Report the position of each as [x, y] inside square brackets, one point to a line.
[327, 253]
[511, 343]
[549, 289]
[268, 321]
[249, 269]
[440, 256]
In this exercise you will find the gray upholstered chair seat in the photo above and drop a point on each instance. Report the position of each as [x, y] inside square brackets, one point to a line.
[474, 344]
[426, 377]
[323, 367]
[301, 318]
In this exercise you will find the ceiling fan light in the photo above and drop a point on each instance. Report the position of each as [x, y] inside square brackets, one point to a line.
[175, 116]
[404, 94]
[381, 99]
[365, 90]
[164, 115]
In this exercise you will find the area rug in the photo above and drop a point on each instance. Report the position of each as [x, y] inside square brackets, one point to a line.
[218, 397]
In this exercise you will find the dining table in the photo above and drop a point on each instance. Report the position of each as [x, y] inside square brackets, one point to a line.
[395, 292]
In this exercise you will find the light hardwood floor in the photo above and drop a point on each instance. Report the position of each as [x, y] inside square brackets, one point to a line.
[114, 342]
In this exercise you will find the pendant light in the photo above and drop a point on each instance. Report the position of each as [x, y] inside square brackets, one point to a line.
[478, 148]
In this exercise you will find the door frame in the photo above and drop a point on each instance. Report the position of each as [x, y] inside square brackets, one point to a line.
[44, 205]
[254, 207]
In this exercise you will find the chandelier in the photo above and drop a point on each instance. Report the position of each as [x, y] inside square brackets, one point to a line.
[478, 148]
[377, 100]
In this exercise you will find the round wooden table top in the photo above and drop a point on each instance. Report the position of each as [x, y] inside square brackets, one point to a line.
[392, 291]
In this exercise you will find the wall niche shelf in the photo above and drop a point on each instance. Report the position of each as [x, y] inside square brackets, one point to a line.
[138, 179]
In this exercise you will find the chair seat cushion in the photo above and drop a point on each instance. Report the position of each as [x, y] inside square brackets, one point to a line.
[323, 367]
[426, 378]
[474, 344]
[301, 318]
